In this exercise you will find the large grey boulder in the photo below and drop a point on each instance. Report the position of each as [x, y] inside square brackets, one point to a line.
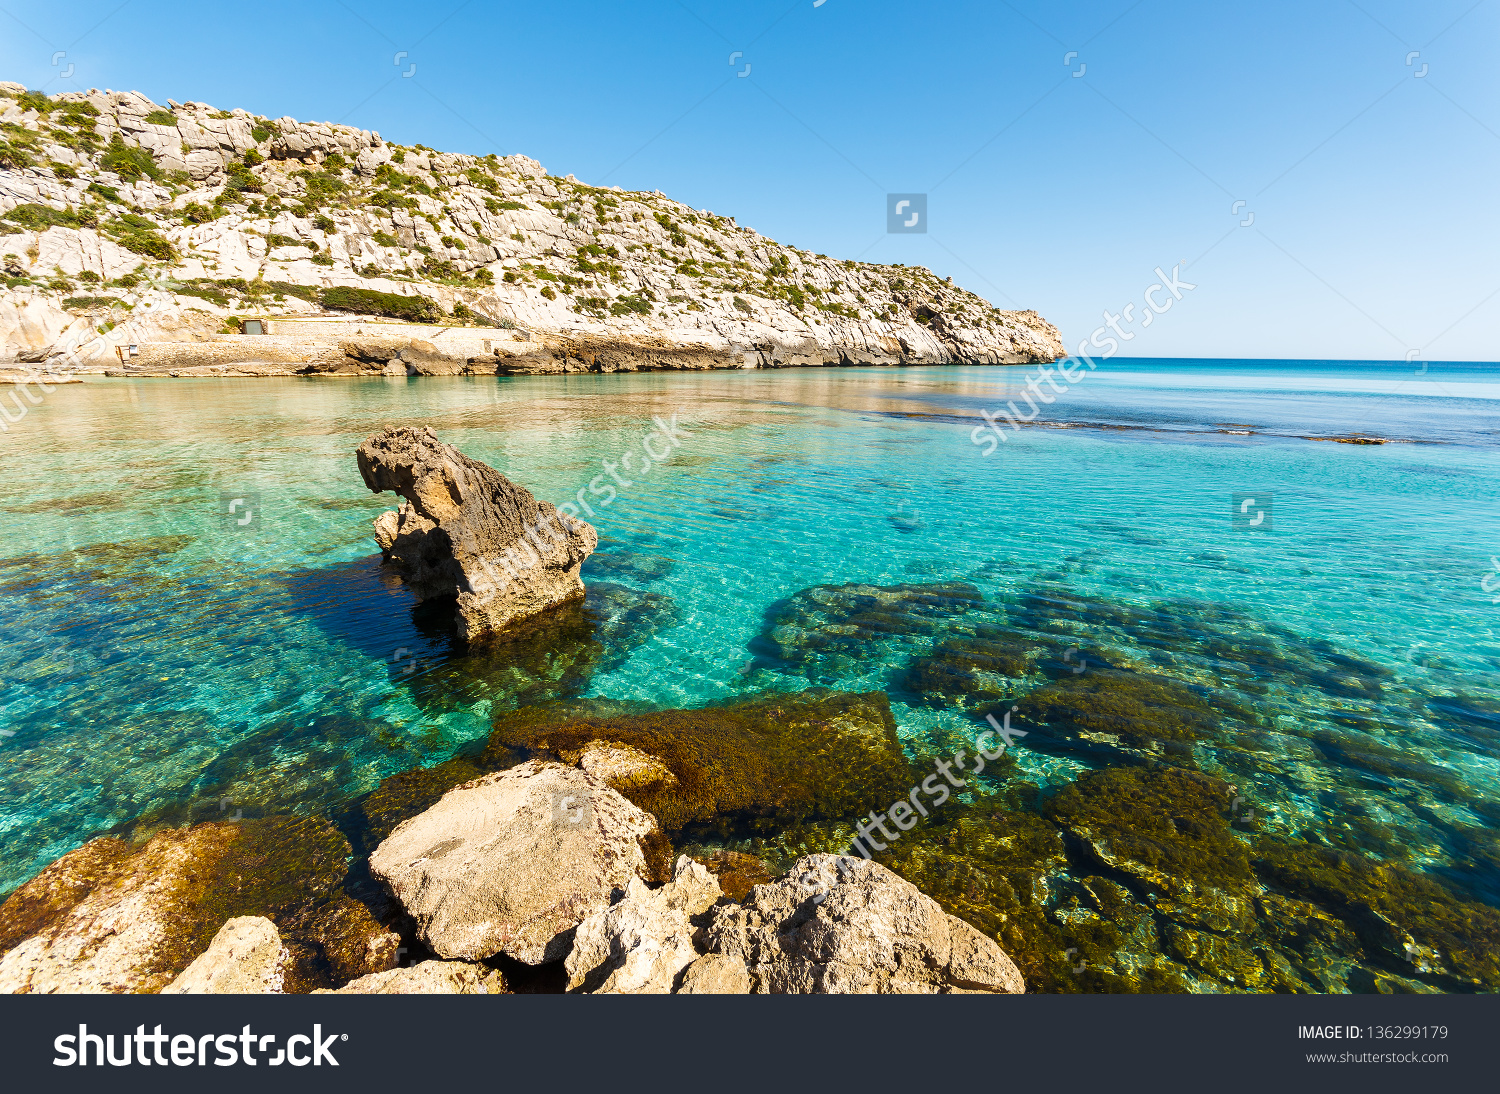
[246, 957]
[639, 945]
[842, 925]
[468, 531]
[512, 862]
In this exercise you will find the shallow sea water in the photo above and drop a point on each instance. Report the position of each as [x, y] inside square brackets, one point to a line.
[158, 656]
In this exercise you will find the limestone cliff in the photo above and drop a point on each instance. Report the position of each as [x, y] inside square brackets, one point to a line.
[128, 223]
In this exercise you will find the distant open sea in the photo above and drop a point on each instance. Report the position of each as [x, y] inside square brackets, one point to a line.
[156, 648]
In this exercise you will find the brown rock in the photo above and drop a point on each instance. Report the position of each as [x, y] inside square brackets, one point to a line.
[468, 531]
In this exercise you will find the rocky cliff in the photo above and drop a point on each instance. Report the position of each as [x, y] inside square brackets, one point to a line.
[125, 223]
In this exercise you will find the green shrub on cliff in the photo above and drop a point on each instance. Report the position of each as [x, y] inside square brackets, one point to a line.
[414, 309]
[162, 117]
[129, 163]
[136, 233]
[38, 218]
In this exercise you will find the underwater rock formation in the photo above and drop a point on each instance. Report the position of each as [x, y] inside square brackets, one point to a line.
[825, 630]
[512, 862]
[245, 958]
[815, 753]
[839, 925]
[468, 531]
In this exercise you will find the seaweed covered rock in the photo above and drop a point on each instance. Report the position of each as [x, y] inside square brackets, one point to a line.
[816, 753]
[468, 531]
[110, 918]
[825, 630]
[512, 862]
[1110, 710]
[621, 766]
[1407, 921]
[1169, 829]
[980, 668]
[641, 943]
[352, 941]
[839, 925]
[428, 978]
[245, 958]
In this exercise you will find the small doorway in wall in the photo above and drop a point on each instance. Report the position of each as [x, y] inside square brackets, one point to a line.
[253, 326]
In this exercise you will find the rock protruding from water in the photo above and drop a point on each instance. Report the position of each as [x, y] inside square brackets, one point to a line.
[468, 531]
[840, 925]
[640, 944]
[246, 957]
[512, 862]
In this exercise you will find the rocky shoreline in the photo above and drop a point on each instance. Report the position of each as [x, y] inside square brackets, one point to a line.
[158, 240]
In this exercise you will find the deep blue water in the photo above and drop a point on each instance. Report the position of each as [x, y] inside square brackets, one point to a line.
[156, 655]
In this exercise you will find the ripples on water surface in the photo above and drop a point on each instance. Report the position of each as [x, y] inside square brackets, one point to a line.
[157, 658]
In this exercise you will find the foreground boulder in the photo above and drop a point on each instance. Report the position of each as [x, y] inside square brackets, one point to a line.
[840, 925]
[427, 978]
[245, 958]
[638, 946]
[512, 862]
[468, 531]
[110, 917]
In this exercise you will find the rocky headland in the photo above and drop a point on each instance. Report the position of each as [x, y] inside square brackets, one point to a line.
[160, 239]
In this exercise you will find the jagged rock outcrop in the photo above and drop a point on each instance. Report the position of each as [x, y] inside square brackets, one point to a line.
[468, 531]
[843, 925]
[190, 215]
[246, 957]
[641, 943]
[427, 978]
[513, 862]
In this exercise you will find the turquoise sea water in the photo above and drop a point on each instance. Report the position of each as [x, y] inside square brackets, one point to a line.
[158, 656]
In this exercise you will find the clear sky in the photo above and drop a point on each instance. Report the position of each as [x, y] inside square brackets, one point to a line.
[1364, 138]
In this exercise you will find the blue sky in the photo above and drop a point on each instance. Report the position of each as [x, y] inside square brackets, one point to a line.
[1371, 180]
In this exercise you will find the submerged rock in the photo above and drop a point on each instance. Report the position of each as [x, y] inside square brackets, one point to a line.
[640, 944]
[839, 925]
[468, 531]
[825, 630]
[815, 753]
[245, 958]
[512, 862]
